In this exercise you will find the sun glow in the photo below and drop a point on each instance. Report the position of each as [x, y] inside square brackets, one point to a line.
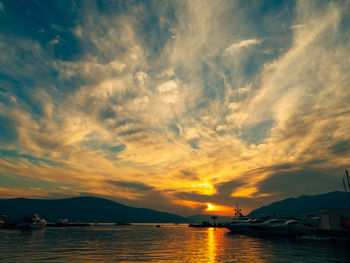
[218, 209]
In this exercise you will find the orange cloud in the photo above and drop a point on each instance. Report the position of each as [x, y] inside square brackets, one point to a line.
[218, 209]
[244, 192]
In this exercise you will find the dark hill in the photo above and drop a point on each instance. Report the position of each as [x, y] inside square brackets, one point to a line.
[85, 209]
[303, 205]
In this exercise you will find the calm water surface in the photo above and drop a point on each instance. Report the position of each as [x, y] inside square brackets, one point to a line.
[169, 243]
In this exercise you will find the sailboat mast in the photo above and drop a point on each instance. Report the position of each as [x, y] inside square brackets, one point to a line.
[347, 176]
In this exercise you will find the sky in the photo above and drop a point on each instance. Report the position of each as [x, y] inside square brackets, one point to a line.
[187, 107]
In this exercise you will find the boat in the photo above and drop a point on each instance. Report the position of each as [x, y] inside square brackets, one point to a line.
[205, 224]
[8, 223]
[242, 225]
[31, 221]
[202, 224]
[239, 223]
[333, 224]
[2, 220]
[269, 226]
[65, 223]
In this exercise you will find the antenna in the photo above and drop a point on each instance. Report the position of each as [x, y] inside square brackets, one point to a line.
[238, 211]
[344, 185]
[347, 176]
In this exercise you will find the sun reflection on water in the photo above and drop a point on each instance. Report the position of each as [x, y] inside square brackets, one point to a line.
[211, 245]
[168, 243]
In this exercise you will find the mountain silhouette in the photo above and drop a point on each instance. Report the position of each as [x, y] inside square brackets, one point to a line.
[85, 209]
[303, 205]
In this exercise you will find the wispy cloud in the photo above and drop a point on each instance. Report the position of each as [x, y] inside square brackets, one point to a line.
[243, 44]
[200, 105]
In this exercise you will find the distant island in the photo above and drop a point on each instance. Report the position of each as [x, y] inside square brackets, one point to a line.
[86, 209]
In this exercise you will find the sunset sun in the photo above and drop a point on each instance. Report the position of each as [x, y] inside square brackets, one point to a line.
[210, 207]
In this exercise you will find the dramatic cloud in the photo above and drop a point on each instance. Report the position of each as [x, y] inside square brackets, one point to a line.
[174, 105]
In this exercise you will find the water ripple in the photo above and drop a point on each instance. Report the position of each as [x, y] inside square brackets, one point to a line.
[169, 243]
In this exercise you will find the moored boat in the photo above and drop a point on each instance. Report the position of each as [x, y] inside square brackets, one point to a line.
[334, 224]
[31, 221]
[8, 223]
[65, 223]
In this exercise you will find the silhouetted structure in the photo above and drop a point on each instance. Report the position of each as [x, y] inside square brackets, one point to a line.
[214, 218]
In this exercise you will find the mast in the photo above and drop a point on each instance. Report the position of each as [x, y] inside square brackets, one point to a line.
[238, 210]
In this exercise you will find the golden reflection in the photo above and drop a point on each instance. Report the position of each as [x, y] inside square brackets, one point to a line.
[211, 245]
[242, 249]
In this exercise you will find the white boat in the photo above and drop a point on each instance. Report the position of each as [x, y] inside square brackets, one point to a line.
[32, 221]
[239, 223]
[271, 227]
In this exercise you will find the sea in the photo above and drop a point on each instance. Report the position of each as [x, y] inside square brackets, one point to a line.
[164, 243]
